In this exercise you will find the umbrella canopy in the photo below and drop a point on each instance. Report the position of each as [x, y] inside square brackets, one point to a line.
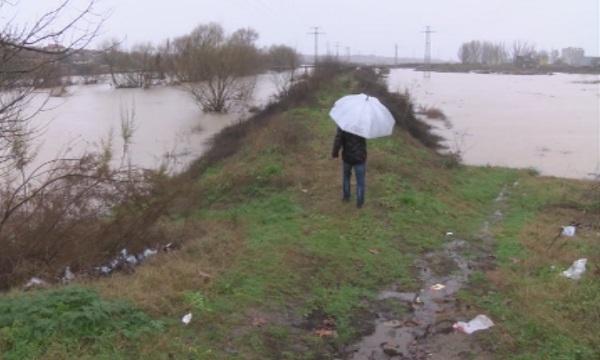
[363, 115]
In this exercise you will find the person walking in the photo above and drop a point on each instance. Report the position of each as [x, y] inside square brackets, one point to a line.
[354, 156]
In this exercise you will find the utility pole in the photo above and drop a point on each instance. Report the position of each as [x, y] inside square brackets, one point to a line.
[348, 57]
[396, 55]
[337, 50]
[315, 32]
[428, 33]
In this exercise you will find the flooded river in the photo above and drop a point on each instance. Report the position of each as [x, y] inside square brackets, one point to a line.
[547, 122]
[166, 120]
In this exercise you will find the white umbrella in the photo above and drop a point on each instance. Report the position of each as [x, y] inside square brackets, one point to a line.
[363, 115]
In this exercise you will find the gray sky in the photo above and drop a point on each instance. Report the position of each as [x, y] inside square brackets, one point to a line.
[367, 26]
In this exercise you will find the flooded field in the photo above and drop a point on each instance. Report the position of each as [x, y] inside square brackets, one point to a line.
[167, 121]
[547, 122]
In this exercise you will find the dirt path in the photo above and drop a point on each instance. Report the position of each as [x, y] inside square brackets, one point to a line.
[426, 331]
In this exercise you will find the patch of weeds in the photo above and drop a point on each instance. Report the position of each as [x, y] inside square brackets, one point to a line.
[198, 301]
[68, 319]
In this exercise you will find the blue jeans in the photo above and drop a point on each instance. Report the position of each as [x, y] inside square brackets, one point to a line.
[360, 170]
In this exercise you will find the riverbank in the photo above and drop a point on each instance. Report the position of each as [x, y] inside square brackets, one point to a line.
[272, 265]
[501, 69]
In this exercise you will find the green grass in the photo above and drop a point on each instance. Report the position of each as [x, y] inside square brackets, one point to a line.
[271, 229]
[70, 320]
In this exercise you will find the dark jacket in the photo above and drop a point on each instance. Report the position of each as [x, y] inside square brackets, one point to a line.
[354, 147]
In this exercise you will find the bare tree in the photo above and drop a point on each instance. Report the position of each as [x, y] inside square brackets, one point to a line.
[218, 70]
[130, 69]
[82, 206]
[284, 61]
[521, 48]
[30, 55]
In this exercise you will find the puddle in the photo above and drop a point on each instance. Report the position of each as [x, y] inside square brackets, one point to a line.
[427, 328]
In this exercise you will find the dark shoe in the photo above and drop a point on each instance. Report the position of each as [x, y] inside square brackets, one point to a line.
[359, 206]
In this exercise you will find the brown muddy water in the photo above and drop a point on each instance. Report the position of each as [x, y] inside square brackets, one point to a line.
[547, 122]
[167, 121]
[426, 331]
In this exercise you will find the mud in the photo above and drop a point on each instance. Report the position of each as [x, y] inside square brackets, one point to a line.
[425, 331]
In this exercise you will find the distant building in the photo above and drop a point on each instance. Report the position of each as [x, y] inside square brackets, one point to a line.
[573, 56]
[554, 56]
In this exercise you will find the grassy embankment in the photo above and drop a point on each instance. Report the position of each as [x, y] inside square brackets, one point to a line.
[272, 252]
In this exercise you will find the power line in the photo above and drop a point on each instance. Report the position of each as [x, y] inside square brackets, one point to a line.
[316, 34]
[428, 33]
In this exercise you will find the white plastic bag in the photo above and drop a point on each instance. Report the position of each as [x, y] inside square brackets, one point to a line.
[480, 322]
[568, 231]
[576, 270]
[187, 319]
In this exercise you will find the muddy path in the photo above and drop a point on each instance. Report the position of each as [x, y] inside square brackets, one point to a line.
[425, 331]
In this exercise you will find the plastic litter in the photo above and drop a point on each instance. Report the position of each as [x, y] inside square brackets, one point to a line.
[568, 231]
[480, 322]
[393, 323]
[168, 247]
[576, 270]
[186, 319]
[105, 270]
[132, 260]
[149, 252]
[35, 282]
[68, 276]
[438, 287]
[449, 233]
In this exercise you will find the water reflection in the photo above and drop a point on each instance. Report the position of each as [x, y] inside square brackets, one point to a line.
[166, 121]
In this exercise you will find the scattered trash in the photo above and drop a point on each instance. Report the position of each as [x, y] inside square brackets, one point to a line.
[568, 231]
[68, 276]
[187, 319]
[259, 321]
[480, 322]
[149, 252]
[104, 270]
[392, 348]
[449, 233]
[204, 275]
[168, 247]
[418, 300]
[305, 191]
[131, 260]
[374, 251]
[576, 270]
[438, 287]
[393, 323]
[326, 333]
[35, 282]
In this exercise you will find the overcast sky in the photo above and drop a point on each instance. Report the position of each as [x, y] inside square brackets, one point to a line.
[367, 26]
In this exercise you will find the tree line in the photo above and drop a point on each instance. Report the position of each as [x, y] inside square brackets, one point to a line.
[216, 67]
[497, 53]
